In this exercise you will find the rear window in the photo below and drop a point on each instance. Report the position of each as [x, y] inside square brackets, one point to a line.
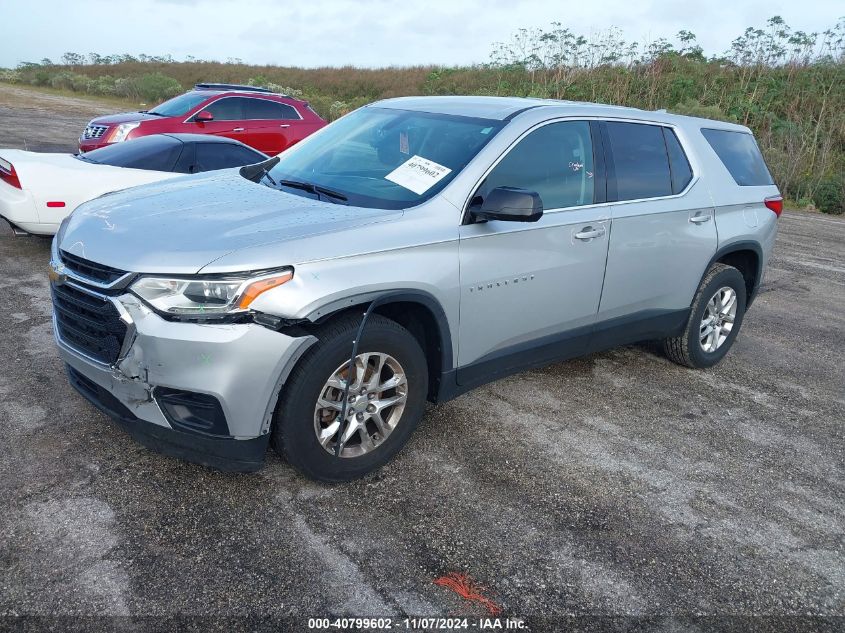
[156, 153]
[266, 109]
[640, 160]
[739, 153]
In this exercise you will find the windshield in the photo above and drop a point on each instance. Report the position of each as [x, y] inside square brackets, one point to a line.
[384, 158]
[177, 106]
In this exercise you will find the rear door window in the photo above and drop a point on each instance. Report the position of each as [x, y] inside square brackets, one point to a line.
[678, 162]
[739, 153]
[266, 109]
[640, 160]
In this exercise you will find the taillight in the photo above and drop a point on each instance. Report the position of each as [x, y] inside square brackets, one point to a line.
[8, 174]
[775, 203]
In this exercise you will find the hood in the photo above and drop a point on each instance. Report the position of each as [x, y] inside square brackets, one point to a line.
[124, 117]
[180, 225]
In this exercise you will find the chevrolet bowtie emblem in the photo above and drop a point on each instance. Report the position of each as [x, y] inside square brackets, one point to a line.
[56, 274]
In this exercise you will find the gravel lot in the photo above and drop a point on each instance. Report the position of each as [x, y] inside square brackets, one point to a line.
[615, 485]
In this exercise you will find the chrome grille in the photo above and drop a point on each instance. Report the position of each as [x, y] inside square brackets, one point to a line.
[91, 270]
[94, 131]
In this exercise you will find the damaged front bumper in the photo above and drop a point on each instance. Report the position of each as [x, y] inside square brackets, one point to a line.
[167, 371]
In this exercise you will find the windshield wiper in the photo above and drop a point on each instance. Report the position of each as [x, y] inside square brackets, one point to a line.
[312, 188]
[153, 112]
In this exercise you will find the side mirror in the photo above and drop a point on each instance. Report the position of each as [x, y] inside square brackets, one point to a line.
[203, 117]
[510, 204]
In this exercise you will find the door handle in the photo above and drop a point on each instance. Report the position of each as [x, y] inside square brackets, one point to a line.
[285, 125]
[700, 219]
[588, 233]
[238, 129]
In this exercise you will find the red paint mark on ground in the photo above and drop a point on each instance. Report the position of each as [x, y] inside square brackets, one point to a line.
[464, 586]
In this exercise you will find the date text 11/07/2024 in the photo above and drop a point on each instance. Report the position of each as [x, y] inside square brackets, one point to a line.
[416, 624]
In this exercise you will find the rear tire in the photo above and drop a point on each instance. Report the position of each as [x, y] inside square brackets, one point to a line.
[302, 431]
[714, 321]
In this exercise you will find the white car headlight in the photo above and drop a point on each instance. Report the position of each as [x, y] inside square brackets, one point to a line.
[120, 133]
[198, 297]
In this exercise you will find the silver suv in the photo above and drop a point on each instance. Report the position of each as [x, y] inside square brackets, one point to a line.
[410, 251]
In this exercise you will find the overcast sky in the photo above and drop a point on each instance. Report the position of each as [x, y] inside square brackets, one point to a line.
[364, 32]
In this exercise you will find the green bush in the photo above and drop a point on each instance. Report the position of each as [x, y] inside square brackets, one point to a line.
[153, 87]
[126, 87]
[39, 78]
[62, 80]
[10, 76]
[338, 109]
[81, 83]
[104, 85]
[830, 196]
[691, 107]
[263, 82]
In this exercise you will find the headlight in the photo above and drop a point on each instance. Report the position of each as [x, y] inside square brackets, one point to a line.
[206, 297]
[120, 133]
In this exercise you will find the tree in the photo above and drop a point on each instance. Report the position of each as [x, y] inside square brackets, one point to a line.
[73, 59]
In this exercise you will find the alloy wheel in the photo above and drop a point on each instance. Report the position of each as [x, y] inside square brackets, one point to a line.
[377, 397]
[718, 319]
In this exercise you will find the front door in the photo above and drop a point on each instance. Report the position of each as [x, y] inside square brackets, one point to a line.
[228, 119]
[530, 292]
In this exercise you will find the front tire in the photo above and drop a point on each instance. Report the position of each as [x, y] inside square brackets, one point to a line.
[386, 403]
[715, 319]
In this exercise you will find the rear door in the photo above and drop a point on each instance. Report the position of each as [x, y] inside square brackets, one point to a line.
[664, 233]
[530, 291]
[271, 126]
[228, 113]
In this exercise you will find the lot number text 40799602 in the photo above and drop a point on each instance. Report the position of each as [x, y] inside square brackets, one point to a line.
[416, 624]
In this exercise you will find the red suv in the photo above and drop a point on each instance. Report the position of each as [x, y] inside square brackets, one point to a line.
[258, 117]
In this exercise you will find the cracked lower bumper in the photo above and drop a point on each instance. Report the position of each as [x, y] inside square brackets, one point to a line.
[243, 366]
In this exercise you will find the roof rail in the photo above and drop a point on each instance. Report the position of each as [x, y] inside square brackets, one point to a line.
[231, 87]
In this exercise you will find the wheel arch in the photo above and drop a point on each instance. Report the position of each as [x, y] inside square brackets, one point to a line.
[417, 311]
[747, 257]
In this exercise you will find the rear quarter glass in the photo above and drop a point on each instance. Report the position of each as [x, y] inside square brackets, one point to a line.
[740, 155]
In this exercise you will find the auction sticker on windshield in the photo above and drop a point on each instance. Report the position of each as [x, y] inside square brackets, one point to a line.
[418, 174]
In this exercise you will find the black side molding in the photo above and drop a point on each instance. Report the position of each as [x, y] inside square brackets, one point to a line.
[642, 326]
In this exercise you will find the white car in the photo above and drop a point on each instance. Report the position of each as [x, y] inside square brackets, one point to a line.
[37, 191]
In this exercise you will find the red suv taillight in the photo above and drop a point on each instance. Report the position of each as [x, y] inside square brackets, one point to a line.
[775, 203]
[7, 173]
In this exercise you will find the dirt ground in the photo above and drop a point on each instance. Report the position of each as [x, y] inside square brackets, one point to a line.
[44, 122]
[615, 485]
